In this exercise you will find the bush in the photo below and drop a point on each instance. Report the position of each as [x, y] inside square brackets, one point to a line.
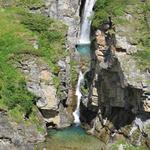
[36, 22]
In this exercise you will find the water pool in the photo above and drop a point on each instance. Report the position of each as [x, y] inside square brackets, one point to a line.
[84, 49]
[72, 138]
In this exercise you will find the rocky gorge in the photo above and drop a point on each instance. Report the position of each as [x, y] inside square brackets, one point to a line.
[115, 102]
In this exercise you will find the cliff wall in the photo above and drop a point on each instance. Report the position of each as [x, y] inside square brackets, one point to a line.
[120, 90]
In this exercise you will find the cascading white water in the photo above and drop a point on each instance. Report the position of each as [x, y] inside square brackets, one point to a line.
[76, 113]
[83, 48]
[86, 22]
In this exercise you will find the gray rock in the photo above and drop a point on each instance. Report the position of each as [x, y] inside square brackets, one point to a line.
[18, 136]
[40, 82]
[62, 64]
[122, 43]
[68, 12]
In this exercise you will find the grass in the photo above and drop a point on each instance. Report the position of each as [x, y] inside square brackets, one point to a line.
[143, 58]
[142, 35]
[17, 28]
[106, 8]
[13, 90]
[24, 3]
[51, 37]
[140, 25]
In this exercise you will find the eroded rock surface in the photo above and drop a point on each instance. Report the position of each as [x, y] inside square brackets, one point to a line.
[40, 81]
[20, 136]
[119, 89]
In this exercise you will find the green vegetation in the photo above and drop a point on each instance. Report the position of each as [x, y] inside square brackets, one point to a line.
[143, 58]
[140, 26]
[13, 90]
[106, 8]
[36, 120]
[30, 3]
[51, 37]
[143, 37]
[74, 75]
[24, 3]
[126, 146]
[17, 30]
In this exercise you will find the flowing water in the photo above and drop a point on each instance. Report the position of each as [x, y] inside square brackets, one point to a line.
[83, 46]
[76, 138]
[86, 22]
[72, 138]
[76, 113]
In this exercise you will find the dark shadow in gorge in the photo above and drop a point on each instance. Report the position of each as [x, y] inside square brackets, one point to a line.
[117, 102]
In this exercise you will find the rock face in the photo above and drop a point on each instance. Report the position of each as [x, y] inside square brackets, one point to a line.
[20, 136]
[120, 91]
[40, 81]
[68, 12]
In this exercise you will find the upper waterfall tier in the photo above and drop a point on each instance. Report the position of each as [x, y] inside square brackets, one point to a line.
[86, 22]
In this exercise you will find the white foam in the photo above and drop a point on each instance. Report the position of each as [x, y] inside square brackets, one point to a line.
[86, 22]
[76, 113]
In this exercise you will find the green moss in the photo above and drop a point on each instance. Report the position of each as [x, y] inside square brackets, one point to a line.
[142, 25]
[18, 116]
[31, 3]
[143, 59]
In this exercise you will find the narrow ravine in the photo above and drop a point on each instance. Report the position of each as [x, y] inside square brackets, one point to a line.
[75, 137]
[83, 47]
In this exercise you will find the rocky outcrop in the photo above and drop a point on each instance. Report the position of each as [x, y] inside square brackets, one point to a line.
[119, 89]
[20, 136]
[120, 70]
[68, 12]
[40, 81]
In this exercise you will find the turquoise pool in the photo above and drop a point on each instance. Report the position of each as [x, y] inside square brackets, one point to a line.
[72, 138]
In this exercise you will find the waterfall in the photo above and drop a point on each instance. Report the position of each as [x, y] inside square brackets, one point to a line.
[76, 113]
[83, 47]
[86, 22]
